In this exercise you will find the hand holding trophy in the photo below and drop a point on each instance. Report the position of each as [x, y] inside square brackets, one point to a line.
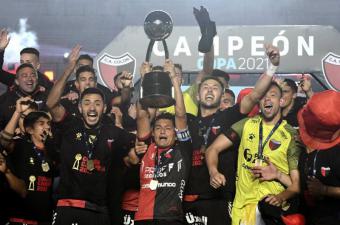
[156, 91]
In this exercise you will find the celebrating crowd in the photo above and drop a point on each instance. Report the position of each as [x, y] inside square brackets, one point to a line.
[74, 152]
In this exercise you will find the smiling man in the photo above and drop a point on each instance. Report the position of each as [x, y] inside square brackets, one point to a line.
[88, 149]
[26, 81]
[262, 138]
[202, 203]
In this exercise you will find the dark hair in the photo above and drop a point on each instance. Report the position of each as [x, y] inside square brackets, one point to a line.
[227, 90]
[85, 56]
[25, 65]
[179, 66]
[273, 83]
[92, 90]
[165, 116]
[86, 68]
[30, 51]
[210, 78]
[290, 83]
[33, 117]
[221, 73]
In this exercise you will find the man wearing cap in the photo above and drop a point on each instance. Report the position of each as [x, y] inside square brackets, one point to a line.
[263, 139]
[319, 165]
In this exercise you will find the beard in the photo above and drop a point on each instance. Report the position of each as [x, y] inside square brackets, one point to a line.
[210, 106]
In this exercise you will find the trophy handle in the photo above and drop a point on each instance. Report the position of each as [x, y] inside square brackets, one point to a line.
[149, 50]
[166, 50]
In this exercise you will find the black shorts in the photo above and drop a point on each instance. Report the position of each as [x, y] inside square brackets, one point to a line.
[79, 216]
[207, 212]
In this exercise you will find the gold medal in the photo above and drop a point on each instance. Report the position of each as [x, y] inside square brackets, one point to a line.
[153, 184]
[258, 162]
[76, 162]
[45, 167]
[90, 165]
[31, 184]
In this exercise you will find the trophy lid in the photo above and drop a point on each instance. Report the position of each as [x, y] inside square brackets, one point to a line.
[158, 25]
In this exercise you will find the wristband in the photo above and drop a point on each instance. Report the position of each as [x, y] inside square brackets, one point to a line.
[271, 70]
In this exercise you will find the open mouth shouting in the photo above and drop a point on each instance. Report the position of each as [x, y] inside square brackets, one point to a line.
[268, 107]
[92, 117]
[209, 97]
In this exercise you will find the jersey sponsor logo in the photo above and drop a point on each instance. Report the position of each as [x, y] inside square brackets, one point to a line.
[325, 171]
[331, 70]
[179, 165]
[197, 158]
[110, 65]
[251, 137]
[274, 144]
[160, 185]
[128, 220]
[196, 220]
[149, 172]
[181, 189]
[166, 184]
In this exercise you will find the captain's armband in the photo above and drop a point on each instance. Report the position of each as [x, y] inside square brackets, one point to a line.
[183, 135]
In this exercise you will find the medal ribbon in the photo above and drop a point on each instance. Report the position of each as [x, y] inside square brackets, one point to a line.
[90, 145]
[261, 146]
[40, 154]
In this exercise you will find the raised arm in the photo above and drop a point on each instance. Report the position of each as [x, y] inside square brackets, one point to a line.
[208, 65]
[143, 122]
[180, 113]
[22, 104]
[126, 79]
[53, 101]
[263, 83]
[5, 77]
[208, 31]
[220, 144]
[306, 85]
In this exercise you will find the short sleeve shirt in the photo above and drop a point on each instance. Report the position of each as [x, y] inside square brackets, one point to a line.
[280, 149]
[170, 170]
[77, 181]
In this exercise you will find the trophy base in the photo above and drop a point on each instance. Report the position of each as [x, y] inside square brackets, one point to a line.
[157, 101]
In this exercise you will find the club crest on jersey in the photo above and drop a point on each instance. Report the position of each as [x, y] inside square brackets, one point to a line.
[325, 171]
[274, 144]
[215, 130]
[331, 70]
[109, 66]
